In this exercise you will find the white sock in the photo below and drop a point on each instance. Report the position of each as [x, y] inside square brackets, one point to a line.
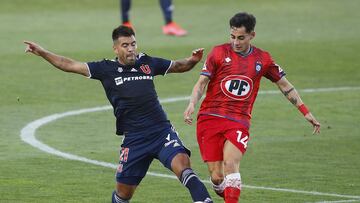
[218, 188]
[233, 180]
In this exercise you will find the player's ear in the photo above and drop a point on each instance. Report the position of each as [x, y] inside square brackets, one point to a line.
[115, 48]
[252, 35]
[115, 45]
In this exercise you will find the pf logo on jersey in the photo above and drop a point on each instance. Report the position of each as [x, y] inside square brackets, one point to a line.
[237, 87]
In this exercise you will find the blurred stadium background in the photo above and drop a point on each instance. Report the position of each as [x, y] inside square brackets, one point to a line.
[316, 42]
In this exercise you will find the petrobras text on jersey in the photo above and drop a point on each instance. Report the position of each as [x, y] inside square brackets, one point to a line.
[121, 80]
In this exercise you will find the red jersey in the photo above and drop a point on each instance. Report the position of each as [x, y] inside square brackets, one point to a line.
[234, 81]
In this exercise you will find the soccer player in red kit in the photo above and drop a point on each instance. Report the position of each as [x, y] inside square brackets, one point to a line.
[232, 74]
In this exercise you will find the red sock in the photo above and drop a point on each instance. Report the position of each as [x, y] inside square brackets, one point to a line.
[232, 195]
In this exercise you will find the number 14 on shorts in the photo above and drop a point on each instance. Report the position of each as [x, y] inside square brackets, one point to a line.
[242, 140]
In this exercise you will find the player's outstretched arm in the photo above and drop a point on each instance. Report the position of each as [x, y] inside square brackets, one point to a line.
[198, 91]
[183, 65]
[60, 62]
[293, 96]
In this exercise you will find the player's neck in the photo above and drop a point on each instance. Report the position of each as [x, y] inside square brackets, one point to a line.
[122, 63]
[246, 52]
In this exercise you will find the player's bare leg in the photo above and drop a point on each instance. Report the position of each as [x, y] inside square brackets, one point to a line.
[180, 165]
[123, 193]
[216, 171]
[232, 158]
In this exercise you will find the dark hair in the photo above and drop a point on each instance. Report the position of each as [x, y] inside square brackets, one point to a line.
[122, 31]
[243, 19]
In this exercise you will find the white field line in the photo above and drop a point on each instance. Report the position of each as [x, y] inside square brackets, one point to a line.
[340, 201]
[313, 90]
[27, 134]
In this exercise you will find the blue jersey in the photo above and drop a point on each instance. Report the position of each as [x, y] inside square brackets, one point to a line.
[131, 91]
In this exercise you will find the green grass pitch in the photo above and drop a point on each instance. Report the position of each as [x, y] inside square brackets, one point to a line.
[316, 43]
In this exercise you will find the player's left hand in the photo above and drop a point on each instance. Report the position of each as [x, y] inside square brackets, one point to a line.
[197, 54]
[309, 117]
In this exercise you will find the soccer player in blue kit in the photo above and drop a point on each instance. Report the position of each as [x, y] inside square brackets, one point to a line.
[128, 84]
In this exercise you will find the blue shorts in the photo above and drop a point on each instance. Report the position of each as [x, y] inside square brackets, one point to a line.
[139, 149]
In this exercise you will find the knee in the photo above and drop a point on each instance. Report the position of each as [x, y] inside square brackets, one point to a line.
[217, 177]
[179, 163]
[181, 159]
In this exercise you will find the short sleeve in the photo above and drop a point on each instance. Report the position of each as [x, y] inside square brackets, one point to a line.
[209, 66]
[160, 65]
[274, 71]
[95, 69]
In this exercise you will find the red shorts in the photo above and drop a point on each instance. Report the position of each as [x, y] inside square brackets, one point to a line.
[213, 131]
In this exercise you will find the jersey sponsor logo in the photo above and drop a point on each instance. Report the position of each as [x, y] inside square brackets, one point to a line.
[122, 80]
[146, 69]
[237, 87]
[119, 81]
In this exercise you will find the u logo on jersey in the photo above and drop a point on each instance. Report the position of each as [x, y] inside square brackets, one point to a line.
[237, 87]
[146, 69]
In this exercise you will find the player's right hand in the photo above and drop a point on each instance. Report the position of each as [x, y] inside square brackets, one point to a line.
[188, 113]
[32, 47]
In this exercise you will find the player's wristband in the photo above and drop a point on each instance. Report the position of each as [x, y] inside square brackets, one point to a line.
[303, 109]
